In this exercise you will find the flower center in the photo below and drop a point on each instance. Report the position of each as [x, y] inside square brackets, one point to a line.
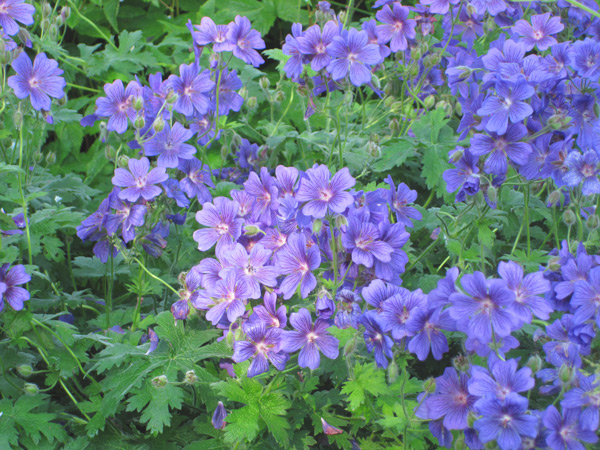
[460, 399]
[188, 90]
[505, 420]
[261, 347]
[33, 82]
[537, 35]
[311, 337]
[140, 182]
[325, 194]
[320, 48]
[222, 228]
[363, 243]
[243, 44]
[352, 57]
[398, 26]
[588, 171]
[249, 270]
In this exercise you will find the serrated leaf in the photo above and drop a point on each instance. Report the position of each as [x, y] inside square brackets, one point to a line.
[157, 403]
[367, 379]
[393, 154]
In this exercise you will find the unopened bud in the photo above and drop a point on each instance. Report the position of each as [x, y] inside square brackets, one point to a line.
[375, 81]
[388, 101]
[447, 107]
[252, 102]
[396, 107]
[63, 100]
[38, 157]
[340, 221]
[264, 83]
[51, 158]
[554, 264]
[252, 230]
[243, 92]
[30, 388]
[350, 347]
[392, 371]
[471, 10]
[554, 198]
[394, 126]
[461, 363]
[342, 16]
[569, 218]
[592, 222]
[122, 161]
[565, 373]
[139, 122]
[429, 385]
[160, 381]
[65, 12]
[374, 149]
[159, 124]
[45, 24]
[431, 60]
[18, 118]
[59, 21]
[109, 152]
[279, 97]
[429, 101]
[190, 377]
[46, 10]
[25, 370]
[535, 363]
[457, 155]
[103, 131]
[317, 226]
[492, 194]
[137, 103]
[171, 97]
[229, 339]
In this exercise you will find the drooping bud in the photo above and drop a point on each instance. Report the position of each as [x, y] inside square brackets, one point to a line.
[374, 149]
[109, 152]
[30, 388]
[279, 96]
[219, 416]
[554, 198]
[252, 230]
[569, 218]
[159, 124]
[554, 264]
[317, 226]
[51, 158]
[457, 155]
[190, 377]
[375, 81]
[138, 103]
[394, 126]
[350, 347]
[264, 83]
[535, 363]
[429, 101]
[25, 370]
[65, 12]
[46, 10]
[565, 373]
[492, 194]
[330, 429]
[122, 161]
[160, 381]
[392, 371]
[252, 102]
[139, 122]
[592, 222]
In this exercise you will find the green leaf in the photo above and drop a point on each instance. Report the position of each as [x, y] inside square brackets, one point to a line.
[393, 154]
[156, 402]
[111, 10]
[242, 424]
[367, 379]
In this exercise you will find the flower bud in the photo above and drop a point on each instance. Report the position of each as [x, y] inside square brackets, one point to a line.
[394, 126]
[122, 161]
[24, 37]
[45, 24]
[171, 97]
[25, 370]
[252, 230]
[65, 12]
[137, 103]
[554, 264]
[63, 100]
[375, 81]
[30, 388]
[596, 109]
[535, 363]
[160, 381]
[317, 226]
[2, 46]
[190, 377]
[139, 122]
[565, 373]
[219, 416]
[59, 21]
[243, 92]
[554, 198]
[374, 149]
[109, 152]
[279, 97]
[388, 101]
[431, 60]
[492, 194]
[18, 118]
[238, 334]
[429, 101]
[392, 371]
[264, 83]
[329, 429]
[342, 16]
[592, 222]
[230, 339]
[456, 155]
[340, 221]
[350, 347]
[51, 158]
[569, 218]
[252, 103]
[471, 10]
[409, 111]
[443, 104]
[461, 363]
[46, 10]
[38, 156]
[396, 107]
[159, 124]
[429, 385]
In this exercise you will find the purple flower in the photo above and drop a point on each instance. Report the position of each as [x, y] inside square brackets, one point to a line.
[311, 338]
[219, 416]
[426, 325]
[180, 309]
[265, 195]
[585, 58]
[117, 105]
[170, 145]
[127, 216]
[565, 431]
[439, 6]
[501, 146]
[192, 89]
[379, 291]
[227, 297]
[197, 178]
[362, 239]
[586, 297]
[352, 53]
[210, 33]
[398, 309]
[397, 26]
[451, 400]
[297, 261]
[229, 99]
[440, 296]
[173, 190]
[268, 312]
[505, 421]
[399, 200]
[494, 7]
[12, 11]
[370, 26]
[584, 168]
[9, 289]
[294, 66]
[324, 306]
[328, 429]
[483, 310]
[463, 177]
[527, 292]
[263, 345]
[375, 338]
[538, 33]
[138, 181]
[585, 397]
[324, 193]
[38, 81]
[313, 44]
[504, 379]
[507, 104]
[223, 225]
[245, 40]
[251, 267]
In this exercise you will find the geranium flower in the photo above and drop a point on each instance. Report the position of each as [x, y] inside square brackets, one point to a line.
[138, 181]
